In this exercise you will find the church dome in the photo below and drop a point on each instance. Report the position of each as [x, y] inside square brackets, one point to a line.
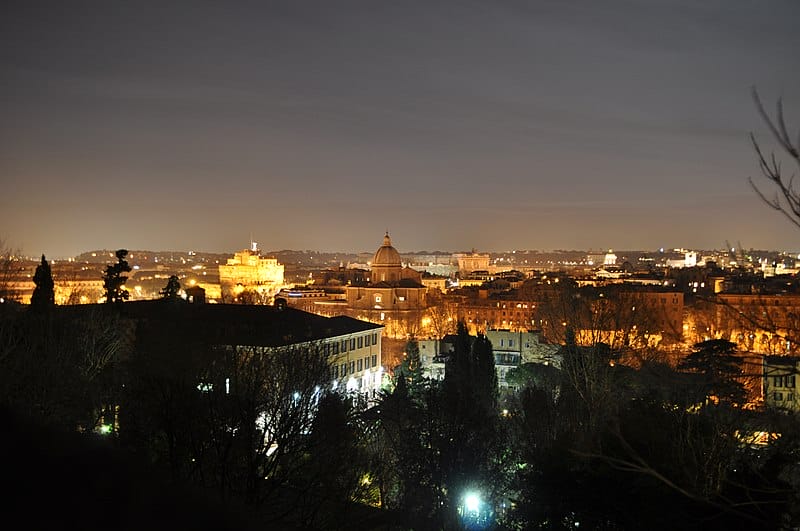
[386, 255]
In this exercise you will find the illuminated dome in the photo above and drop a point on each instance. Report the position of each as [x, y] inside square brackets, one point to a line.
[386, 255]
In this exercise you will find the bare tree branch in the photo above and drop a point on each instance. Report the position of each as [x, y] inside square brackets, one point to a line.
[787, 198]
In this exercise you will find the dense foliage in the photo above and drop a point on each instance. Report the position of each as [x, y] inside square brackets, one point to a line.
[591, 443]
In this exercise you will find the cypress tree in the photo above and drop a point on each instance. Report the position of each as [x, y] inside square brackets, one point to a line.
[114, 280]
[172, 288]
[44, 295]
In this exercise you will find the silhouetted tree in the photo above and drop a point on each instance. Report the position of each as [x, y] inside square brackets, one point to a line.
[114, 279]
[404, 443]
[335, 472]
[410, 369]
[720, 368]
[172, 289]
[786, 200]
[432, 441]
[470, 438]
[538, 375]
[589, 389]
[9, 265]
[650, 449]
[44, 295]
[443, 314]
[61, 367]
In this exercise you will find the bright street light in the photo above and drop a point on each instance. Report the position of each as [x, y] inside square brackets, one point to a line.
[472, 502]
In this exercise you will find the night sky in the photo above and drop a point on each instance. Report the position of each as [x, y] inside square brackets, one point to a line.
[494, 125]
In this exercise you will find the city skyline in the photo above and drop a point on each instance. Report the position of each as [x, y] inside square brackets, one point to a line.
[569, 254]
[453, 125]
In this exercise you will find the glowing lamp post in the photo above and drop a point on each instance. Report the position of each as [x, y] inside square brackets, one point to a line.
[472, 503]
[475, 514]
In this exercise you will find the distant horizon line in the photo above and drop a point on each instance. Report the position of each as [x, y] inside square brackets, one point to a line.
[419, 252]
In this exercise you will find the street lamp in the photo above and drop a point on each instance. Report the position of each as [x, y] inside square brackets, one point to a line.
[472, 502]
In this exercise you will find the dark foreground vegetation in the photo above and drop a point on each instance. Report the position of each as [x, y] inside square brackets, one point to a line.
[115, 421]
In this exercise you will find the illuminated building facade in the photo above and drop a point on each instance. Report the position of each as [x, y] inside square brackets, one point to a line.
[779, 383]
[353, 347]
[394, 293]
[474, 261]
[248, 270]
[758, 322]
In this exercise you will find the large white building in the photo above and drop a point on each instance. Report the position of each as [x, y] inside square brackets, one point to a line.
[473, 261]
[352, 346]
[248, 270]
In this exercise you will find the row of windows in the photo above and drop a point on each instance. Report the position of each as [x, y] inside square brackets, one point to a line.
[522, 305]
[495, 321]
[783, 381]
[506, 359]
[762, 302]
[355, 366]
[494, 314]
[354, 342]
[789, 397]
[379, 299]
